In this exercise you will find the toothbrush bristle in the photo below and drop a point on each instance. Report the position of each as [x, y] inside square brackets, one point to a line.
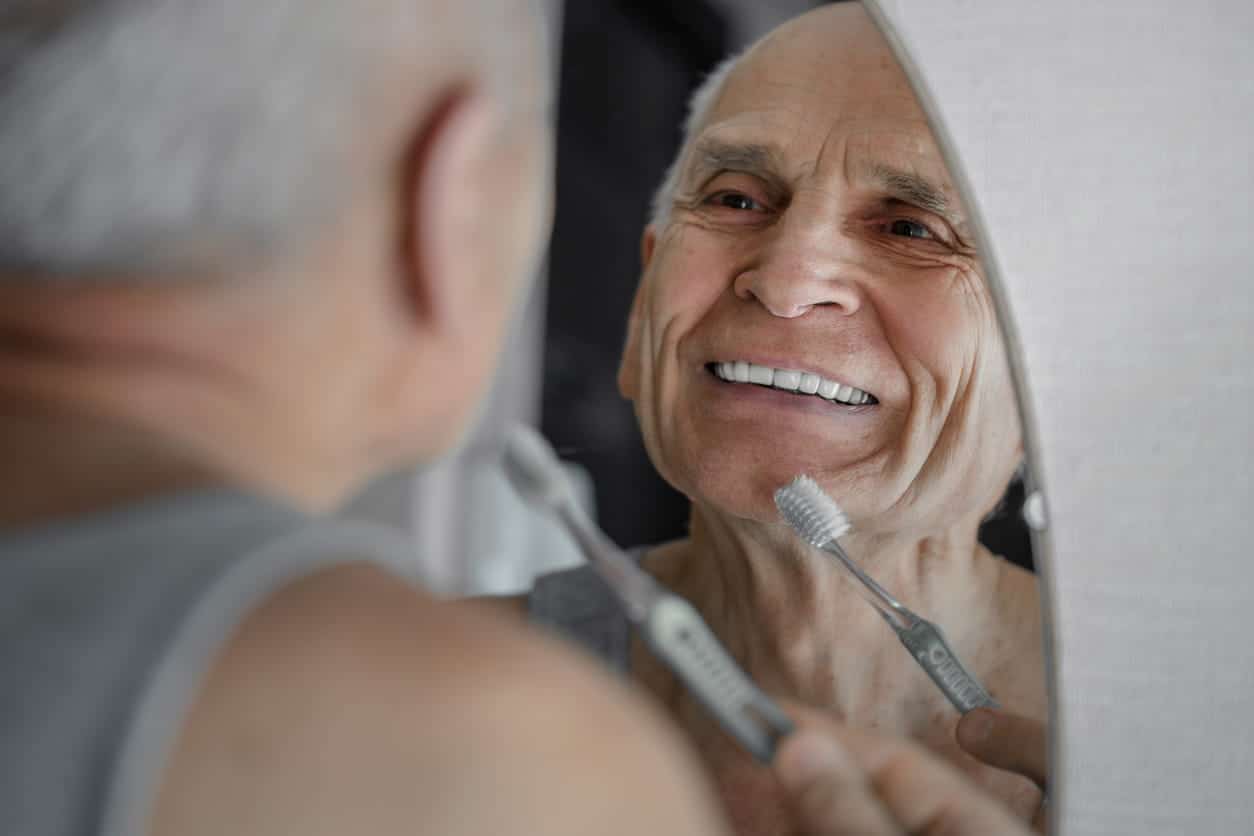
[813, 514]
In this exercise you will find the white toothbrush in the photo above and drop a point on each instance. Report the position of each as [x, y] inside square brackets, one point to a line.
[820, 522]
[670, 625]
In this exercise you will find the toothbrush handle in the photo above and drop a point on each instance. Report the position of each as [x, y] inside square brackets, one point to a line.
[928, 646]
[677, 634]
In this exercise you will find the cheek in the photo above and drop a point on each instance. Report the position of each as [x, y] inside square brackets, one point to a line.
[691, 265]
[684, 282]
[934, 332]
[688, 277]
[998, 407]
[943, 331]
[946, 336]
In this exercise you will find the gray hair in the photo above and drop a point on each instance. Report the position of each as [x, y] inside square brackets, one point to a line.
[700, 104]
[165, 137]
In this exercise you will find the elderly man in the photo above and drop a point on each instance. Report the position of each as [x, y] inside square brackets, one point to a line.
[812, 303]
[252, 253]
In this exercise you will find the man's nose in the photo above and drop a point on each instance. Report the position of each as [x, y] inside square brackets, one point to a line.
[810, 262]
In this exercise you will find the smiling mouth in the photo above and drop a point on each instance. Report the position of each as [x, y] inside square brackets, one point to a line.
[793, 381]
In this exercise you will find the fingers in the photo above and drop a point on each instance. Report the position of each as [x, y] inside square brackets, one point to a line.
[847, 782]
[931, 798]
[1006, 741]
[830, 794]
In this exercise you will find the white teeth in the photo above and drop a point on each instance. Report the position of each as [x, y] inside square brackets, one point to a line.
[790, 380]
[761, 375]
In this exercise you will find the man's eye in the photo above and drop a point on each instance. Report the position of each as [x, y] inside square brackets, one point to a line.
[909, 229]
[735, 200]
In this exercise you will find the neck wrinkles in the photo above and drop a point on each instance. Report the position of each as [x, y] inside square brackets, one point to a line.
[795, 618]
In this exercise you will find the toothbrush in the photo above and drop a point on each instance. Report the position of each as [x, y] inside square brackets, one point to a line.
[819, 521]
[671, 626]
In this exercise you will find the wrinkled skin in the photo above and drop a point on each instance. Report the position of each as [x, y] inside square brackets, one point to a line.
[810, 262]
[815, 227]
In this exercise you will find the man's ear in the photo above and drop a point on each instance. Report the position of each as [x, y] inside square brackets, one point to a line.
[442, 207]
[629, 364]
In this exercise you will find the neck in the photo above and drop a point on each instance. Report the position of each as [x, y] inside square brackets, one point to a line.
[799, 625]
[62, 465]
[800, 628]
[96, 410]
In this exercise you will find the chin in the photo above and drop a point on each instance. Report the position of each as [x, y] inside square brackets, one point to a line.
[756, 504]
[747, 493]
[747, 489]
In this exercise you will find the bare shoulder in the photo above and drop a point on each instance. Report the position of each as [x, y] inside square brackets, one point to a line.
[350, 702]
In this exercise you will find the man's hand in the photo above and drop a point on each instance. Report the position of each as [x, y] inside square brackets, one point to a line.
[1010, 742]
[1006, 741]
[843, 782]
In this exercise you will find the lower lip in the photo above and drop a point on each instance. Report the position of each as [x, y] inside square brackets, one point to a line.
[728, 395]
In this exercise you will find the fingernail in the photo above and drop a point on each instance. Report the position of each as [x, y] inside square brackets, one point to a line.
[808, 755]
[977, 725]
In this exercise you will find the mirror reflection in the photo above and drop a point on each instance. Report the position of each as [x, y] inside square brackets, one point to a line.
[811, 301]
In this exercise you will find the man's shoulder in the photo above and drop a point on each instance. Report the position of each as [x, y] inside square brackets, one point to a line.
[352, 701]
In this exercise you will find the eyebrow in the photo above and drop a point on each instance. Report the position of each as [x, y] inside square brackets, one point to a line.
[712, 156]
[909, 187]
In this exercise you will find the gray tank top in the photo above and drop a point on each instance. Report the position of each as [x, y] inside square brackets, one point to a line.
[107, 627]
[577, 605]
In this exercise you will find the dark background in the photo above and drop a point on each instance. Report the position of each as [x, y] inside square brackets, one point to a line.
[627, 70]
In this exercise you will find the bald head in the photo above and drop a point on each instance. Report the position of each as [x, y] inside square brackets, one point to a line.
[839, 32]
[146, 138]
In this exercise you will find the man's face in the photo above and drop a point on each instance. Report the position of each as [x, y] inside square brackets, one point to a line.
[816, 230]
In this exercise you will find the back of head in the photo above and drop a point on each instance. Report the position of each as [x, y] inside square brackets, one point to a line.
[361, 147]
[177, 137]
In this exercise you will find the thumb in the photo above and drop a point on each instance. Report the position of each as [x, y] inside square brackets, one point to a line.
[829, 792]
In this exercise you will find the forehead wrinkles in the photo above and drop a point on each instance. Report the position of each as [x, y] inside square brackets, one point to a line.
[804, 142]
[812, 97]
[861, 148]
